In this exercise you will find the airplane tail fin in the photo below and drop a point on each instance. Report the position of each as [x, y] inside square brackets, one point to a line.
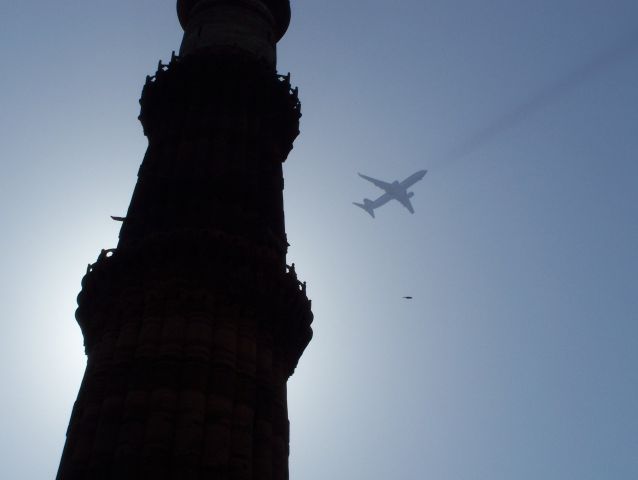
[367, 205]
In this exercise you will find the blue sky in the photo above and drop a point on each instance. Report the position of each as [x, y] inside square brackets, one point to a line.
[517, 356]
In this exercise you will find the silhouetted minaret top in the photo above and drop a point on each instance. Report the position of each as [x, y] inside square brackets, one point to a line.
[254, 26]
[220, 122]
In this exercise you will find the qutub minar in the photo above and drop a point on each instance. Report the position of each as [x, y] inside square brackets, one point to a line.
[194, 323]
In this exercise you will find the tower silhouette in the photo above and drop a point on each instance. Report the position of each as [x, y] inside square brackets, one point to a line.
[194, 323]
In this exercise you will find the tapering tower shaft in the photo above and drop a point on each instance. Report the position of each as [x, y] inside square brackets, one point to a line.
[194, 323]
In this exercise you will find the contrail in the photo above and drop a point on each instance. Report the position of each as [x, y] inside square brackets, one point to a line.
[545, 97]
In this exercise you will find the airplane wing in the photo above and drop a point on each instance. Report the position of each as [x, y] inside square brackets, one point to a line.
[383, 185]
[412, 179]
[406, 203]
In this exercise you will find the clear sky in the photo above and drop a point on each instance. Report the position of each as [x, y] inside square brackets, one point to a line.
[517, 357]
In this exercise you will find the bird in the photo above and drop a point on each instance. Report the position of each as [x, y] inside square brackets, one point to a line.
[408, 298]
[118, 219]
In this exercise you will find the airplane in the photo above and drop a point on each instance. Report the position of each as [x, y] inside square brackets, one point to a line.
[393, 191]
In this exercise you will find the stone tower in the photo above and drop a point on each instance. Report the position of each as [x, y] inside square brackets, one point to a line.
[194, 323]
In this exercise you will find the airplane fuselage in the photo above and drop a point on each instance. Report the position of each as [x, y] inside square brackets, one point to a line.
[398, 192]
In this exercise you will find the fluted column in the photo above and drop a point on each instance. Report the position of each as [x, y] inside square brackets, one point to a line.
[194, 323]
